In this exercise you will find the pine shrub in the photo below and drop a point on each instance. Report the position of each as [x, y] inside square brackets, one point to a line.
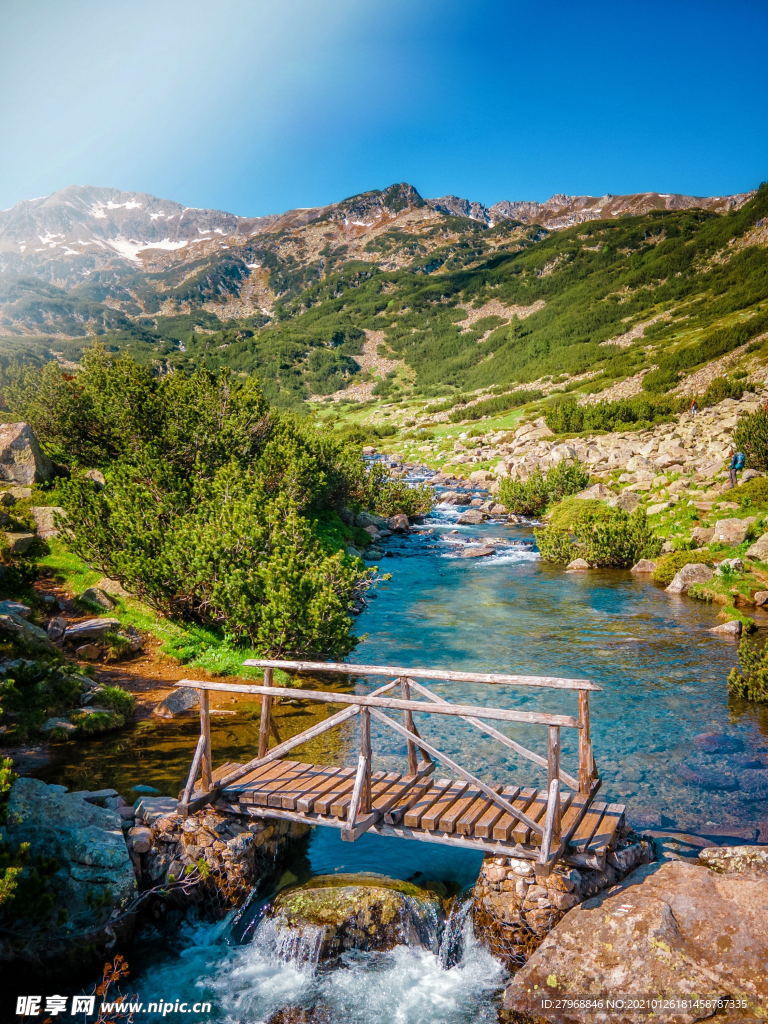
[750, 679]
[751, 437]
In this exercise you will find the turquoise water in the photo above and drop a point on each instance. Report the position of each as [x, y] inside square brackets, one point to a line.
[666, 739]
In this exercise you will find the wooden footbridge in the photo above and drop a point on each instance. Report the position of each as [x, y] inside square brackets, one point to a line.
[560, 820]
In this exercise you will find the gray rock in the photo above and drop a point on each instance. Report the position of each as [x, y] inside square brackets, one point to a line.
[694, 572]
[139, 839]
[112, 587]
[181, 700]
[21, 459]
[57, 627]
[90, 629]
[472, 517]
[58, 724]
[150, 809]
[15, 608]
[19, 543]
[732, 531]
[94, 879]
[759, 550]
[96, 476]
[660, 506]
[88, 652]
[627, 501]
[730, 630]
[369, 519]
[45, 517]
[598, 492]
[97, 596]
[399, 523]
[702, 535]
[476, 552]
[577, 565]
[26, 635]
[644, 567]
[749, 860]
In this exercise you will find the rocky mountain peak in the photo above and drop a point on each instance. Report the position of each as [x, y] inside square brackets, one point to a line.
[455, 206]
[368, 208]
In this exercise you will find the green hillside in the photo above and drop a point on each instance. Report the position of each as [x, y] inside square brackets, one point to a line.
[677, 288]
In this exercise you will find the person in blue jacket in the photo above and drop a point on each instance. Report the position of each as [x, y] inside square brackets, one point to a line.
[736, 464]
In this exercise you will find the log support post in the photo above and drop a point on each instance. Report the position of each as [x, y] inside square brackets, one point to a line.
[413, 761]
[359, 817]
[587, 771]
[265, 721]
[206, 769]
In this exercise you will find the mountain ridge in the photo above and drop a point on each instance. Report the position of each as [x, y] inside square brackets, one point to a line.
[386, 292]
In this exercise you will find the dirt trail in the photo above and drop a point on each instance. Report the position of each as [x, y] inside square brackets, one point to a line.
[148, 675]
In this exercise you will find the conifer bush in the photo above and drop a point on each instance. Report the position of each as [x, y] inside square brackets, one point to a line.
[605, 537]
[750, 679]
[751, 437]
[215, 508]
[532, 496]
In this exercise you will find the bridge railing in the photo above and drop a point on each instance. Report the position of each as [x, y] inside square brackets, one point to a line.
[421, 753]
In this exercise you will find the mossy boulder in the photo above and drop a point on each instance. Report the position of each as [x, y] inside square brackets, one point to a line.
[366, 912]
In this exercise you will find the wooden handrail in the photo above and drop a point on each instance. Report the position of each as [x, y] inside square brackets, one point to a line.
[489, 791]
[493, 678]
[518, 748]
[363, 700]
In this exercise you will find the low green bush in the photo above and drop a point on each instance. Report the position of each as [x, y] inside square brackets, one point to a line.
[31, 692]
[566, 416]
[752, 494]
[751, 437]
[750, 679]
[117, 699]
[605, 537]
[532, 496]
[721, 388]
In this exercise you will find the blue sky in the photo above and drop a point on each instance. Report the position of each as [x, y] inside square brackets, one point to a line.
[257, 106]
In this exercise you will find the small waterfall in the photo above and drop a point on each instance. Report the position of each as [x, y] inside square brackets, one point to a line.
[456, 932]
[298, 946]
[420, 924]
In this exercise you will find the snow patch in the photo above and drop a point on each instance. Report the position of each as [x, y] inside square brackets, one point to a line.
[127, 248]
[130, 248]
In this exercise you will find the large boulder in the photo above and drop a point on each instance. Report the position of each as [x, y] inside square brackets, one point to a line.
[21, 459]
[180, 701]
[25, 636]
[46, 518]
[759, 550]
[365, 912]
[627, 501]
[694, 572]
[732, 531]
[18, 543]
[90, 629]
[676, 931]
[82, 911]
[472, 517]
[597, 492]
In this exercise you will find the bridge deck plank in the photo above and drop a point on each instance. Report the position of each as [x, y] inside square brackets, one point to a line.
[453, 809]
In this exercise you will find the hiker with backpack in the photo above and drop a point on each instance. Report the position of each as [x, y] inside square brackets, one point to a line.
[738, 459]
